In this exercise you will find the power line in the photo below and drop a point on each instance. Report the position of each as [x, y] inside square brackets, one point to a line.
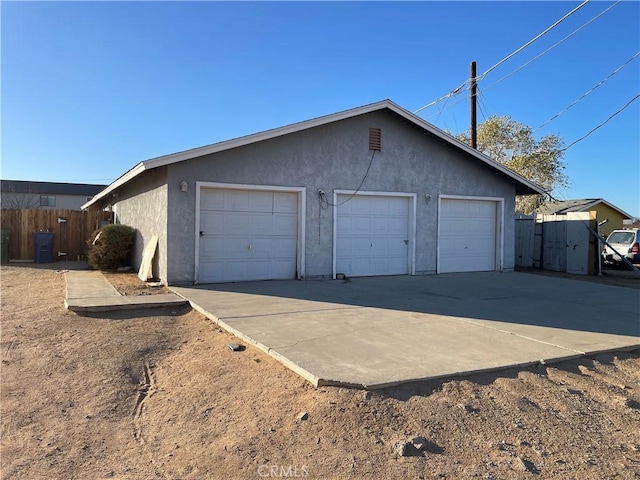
[513, 72]
[481, 101]
[533, 40]
[464, 86]
[452, 93]
[602, 124]
[588, 92]
[324, 201]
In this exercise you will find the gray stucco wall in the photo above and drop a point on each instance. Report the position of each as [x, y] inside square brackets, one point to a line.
[335, 157]
[142, 204]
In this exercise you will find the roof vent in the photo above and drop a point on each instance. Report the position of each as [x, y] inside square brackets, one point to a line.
[375, 139]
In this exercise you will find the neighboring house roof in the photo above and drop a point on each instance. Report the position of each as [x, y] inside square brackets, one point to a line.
[49, 188]
[523, 186]
[580, 205]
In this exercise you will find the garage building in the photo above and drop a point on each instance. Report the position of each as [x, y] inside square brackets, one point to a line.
[373, 190]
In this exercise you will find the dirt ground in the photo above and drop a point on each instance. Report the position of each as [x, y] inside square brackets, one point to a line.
[157, 394]
[130, 284]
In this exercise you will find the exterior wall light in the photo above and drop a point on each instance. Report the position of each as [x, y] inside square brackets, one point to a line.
[184, 186]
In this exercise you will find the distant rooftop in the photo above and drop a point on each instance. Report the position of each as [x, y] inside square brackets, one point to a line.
[579, 205]
[50, 188]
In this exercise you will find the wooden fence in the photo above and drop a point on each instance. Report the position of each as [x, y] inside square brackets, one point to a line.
[559, 243]
[71, 230]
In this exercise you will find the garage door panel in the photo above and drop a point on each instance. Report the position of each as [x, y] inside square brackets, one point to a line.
[379, 247]
[360, 246]
[211, 270]
[343, 247]
[357, 204]
[212, 200]
[399, 226]
[482, 208]
[219, 248]
[396, 263]
[285, 248]
[285, 202]
[360, 225]
[236, 200]
[380, 226]
[397, 247]
[211, 247]
[260, 201]
[261, 248]
[467, 235]
[380, 265]
[359, 267]
[283, 268]
[234, 224]
[398, 205]
[371, 234]
[344, 224]
[261, 224]
[482, 228]
[286, 225]
[247, 235]
[208, 220]
[234, 270]
[379, 206]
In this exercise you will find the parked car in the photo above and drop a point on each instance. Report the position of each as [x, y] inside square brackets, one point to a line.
[626, 243]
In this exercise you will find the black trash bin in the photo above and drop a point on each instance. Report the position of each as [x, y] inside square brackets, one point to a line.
[4, 245]
[43, 247]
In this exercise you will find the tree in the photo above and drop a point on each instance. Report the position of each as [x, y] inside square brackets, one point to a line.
[12, 199]
[512, 144]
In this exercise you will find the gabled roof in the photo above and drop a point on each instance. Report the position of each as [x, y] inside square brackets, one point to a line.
[523, 186]
[579, 205]
[50, 188]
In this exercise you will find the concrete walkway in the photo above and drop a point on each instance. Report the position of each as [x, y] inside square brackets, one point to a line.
[383, 331]
[89, 291]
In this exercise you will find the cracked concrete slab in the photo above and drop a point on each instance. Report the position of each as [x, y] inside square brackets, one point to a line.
[382, 331]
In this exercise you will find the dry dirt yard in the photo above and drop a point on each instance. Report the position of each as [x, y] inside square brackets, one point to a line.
[158, 394]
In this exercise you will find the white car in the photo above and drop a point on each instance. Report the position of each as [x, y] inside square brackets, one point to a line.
[626, 243]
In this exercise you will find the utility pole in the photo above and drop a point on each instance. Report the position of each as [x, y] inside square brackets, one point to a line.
[474, 132]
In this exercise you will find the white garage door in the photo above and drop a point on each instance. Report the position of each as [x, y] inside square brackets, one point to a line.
[372, 236]
[467, 237]
[247, 235]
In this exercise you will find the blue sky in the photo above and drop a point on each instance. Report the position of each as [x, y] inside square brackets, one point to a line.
[89, 89]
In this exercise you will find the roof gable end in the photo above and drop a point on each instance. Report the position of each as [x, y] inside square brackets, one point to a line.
[523, 185]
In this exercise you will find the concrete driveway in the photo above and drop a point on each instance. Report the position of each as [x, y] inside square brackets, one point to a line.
[382, 331]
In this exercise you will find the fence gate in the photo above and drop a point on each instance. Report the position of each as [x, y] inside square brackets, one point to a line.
[71, 230]
[525, 228]
[554, 243]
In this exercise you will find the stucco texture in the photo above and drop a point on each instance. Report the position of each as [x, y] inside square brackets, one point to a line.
[143, 205]
[331, 157]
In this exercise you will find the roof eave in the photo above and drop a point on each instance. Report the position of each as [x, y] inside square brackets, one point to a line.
[602, 200]
[127, 177]
[523, 186]
[526, 187]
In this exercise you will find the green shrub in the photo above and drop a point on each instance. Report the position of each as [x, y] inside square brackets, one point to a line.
[109, 247]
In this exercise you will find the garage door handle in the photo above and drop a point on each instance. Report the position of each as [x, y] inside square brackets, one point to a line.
[250, 247]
